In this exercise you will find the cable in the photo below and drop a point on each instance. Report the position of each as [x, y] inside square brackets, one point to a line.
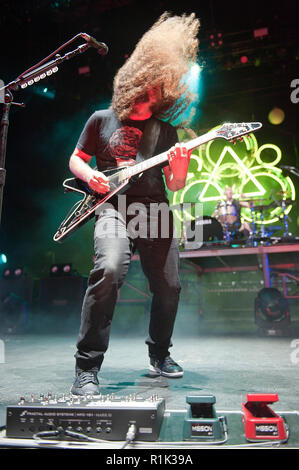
[131, 434]
[40, 436]
[132, 431]
[68, 433]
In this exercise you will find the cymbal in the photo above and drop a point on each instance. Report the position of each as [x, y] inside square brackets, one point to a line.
[281, 202]
[252, 200]
[262, 207]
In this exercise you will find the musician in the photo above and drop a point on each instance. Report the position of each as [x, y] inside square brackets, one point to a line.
[229, 214]
[147, 87]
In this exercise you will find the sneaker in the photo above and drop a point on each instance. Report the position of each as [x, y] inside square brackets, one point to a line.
[166, 367]
[86, 383]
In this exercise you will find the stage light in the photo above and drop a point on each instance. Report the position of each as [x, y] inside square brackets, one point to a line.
[61, 269]
[272, 311]
[244, 59]
[260, 33]
[13, 273]
[3, 258]
[7, 273]
[192, 80]
[18, 272]
[276, 116]
[216, 40]
[194, 72]
[54, 269]
[84, 70]
[67, 268]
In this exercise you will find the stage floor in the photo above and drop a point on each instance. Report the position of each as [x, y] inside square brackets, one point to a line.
[227, 366]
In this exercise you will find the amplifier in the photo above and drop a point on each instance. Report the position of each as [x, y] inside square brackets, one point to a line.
[104, 417]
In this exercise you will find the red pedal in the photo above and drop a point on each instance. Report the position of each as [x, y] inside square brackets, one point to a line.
[260, 422]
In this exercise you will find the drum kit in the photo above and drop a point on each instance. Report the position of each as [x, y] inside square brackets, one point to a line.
[225, 225]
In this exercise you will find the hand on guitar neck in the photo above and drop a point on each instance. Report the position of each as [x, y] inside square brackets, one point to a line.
[176, 173]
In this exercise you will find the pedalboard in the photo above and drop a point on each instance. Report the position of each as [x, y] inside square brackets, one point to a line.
[105, 417]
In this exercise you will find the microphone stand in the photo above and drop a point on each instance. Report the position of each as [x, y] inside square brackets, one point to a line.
[27, 79]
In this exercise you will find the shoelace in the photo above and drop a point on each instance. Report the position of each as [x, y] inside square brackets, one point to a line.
[87, 377]
[169, 361]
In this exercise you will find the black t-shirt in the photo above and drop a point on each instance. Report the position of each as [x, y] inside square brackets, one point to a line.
[113, 143]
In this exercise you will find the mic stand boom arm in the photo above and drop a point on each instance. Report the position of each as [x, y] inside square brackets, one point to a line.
[23, 81]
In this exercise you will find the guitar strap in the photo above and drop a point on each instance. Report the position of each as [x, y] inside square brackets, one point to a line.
[149, 140]
[148, 143]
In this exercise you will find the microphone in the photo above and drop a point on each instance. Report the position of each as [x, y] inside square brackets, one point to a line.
[100, 46]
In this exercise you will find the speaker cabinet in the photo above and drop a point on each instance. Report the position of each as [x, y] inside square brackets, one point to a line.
[62, 294]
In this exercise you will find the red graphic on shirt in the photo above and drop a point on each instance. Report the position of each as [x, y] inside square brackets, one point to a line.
[123, 144]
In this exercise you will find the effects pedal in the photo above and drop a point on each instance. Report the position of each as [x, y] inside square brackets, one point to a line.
[201, 421]
[260, 422]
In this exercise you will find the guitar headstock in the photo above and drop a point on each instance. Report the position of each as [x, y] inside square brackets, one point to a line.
[230, 131]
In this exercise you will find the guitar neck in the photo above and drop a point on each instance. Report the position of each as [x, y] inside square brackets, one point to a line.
[162, 157]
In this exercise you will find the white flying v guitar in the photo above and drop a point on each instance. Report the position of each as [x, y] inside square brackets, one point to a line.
[84, 209]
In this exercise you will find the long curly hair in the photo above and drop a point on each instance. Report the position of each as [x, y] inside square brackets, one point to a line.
[160, 60]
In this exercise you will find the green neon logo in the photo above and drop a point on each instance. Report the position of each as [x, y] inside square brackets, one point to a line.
[249, 169]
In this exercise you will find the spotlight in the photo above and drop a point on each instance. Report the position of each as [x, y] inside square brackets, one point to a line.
[272, 311]
[84, 70]
[54, 270]
[13, 273]
[62, 269]
[216, 39]
[43, 91]
[260, 33]
[3, 258]
[276, 116]
[67, 268]
[7, 273]
[244, 59]
[18, 272]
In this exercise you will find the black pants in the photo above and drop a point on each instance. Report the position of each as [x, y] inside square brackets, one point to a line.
[159, 259]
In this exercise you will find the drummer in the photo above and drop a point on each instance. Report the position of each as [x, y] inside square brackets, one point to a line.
[228, 213]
